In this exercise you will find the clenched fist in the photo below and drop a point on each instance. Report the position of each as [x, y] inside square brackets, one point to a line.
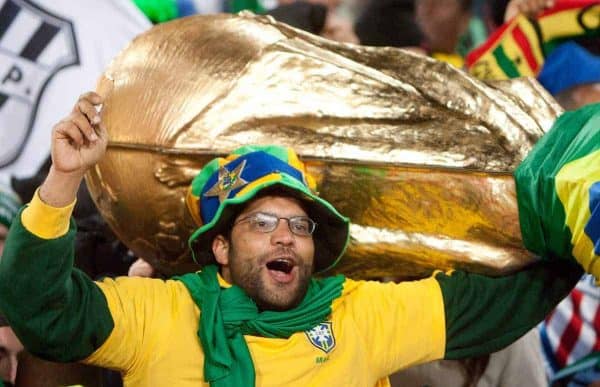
[79, 141]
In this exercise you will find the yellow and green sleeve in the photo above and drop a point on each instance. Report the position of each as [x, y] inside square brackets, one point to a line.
[57, 311]
[452, 315]
[485, 314]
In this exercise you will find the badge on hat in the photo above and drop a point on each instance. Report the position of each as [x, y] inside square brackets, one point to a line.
[227, 182]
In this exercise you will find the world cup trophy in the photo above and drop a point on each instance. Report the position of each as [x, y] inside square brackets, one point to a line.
[418, 154]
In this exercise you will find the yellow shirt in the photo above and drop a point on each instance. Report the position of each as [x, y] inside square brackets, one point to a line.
[374, 330]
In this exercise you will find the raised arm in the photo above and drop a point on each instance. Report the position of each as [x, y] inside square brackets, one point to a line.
[56, 311]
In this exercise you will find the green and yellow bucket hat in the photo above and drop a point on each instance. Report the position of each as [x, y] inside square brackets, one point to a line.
[226, 184]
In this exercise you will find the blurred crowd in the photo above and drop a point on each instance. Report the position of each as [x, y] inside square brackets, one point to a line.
[53, 51]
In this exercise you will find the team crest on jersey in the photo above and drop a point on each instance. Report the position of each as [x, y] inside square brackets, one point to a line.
[34, 46]
[321, 336]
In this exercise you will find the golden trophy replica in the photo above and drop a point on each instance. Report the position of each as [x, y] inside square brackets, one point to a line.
[418, 154]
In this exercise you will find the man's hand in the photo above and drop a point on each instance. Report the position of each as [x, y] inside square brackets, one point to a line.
[78, 143]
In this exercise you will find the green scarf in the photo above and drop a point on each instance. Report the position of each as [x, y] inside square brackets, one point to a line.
[227, 314]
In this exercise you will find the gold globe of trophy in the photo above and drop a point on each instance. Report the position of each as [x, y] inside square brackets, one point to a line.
[418, 154]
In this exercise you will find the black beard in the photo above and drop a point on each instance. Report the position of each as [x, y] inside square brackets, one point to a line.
[246, 275]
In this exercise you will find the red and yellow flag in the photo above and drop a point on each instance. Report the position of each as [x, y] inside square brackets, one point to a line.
[519, 47]
[512, 51]
[569, 19]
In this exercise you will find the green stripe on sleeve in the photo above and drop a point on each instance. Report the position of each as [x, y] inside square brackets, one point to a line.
[485, 314]
[542, 216]
[57, 312]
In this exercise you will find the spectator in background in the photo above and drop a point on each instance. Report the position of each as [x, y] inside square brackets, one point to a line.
[315, 18]
[495, 12]
[388, 23]
[450, 30]
[572, 75]
[302, 15]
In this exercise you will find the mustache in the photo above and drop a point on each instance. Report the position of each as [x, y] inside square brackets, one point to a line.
[278, 253]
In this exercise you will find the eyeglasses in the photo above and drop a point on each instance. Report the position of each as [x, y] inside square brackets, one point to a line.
[265, 223]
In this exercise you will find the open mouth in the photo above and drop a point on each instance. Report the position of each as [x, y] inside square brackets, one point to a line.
[282, 270]
[281, 265]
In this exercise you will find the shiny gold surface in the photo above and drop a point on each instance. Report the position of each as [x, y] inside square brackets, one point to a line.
[418, 154]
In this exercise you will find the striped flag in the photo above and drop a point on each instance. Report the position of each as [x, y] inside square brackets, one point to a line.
[569, 19]
[572, 331]
[519, 47]
[512, 51]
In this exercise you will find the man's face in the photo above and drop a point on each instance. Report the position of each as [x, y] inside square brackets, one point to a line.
[10, 347]
[442, 22]
[273, 268]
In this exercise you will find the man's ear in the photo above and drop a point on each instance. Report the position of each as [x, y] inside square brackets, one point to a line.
[220, 249]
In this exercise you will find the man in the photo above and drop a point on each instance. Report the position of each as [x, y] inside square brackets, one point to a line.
[449, 29]
[316, 16]
[254, 315]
